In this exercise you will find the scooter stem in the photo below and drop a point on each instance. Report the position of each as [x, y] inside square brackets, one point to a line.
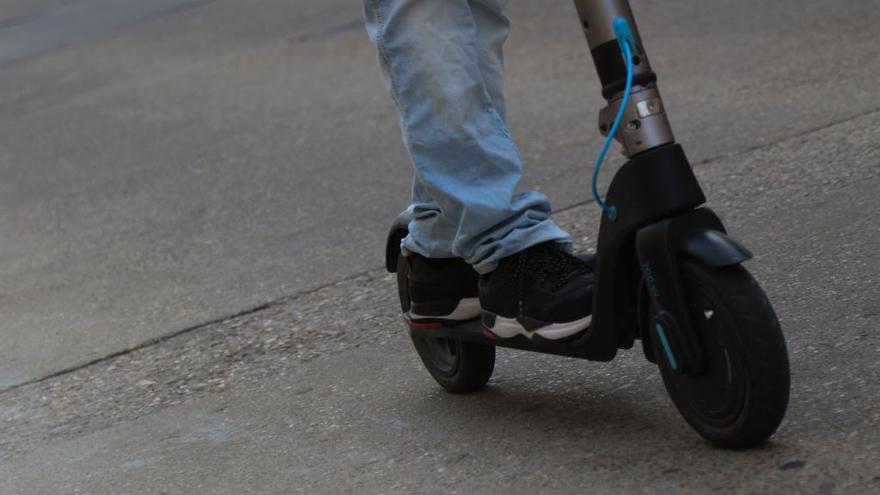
[645, 125]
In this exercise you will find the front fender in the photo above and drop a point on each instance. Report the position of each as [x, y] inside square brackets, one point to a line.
[396, 233]
[700, 235]
[716, 249]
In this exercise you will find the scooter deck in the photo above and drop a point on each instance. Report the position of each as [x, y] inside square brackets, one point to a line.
[474, 331]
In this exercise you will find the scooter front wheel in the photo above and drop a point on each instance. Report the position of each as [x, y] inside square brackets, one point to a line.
[459, 367]
[740, 396]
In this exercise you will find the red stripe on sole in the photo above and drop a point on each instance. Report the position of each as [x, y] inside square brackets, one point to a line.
[424, 326]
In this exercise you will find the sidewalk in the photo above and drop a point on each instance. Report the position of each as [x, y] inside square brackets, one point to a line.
[322, 393]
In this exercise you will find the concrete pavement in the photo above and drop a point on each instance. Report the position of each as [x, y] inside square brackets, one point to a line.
[168, 169]
[193, 162]
[322, 393]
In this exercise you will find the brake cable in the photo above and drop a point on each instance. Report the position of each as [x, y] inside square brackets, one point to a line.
[627, 45]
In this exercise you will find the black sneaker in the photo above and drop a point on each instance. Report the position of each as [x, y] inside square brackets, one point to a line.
[442, 291]
[542, 291]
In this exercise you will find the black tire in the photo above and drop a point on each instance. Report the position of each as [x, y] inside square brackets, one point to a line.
[459, 367]
[741, 397]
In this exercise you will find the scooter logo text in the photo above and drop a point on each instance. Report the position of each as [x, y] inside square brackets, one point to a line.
[650, 281]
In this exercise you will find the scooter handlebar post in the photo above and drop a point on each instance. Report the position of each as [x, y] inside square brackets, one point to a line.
[645, 125]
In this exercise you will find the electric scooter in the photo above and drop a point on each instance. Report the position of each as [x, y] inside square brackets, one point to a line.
[666, 272]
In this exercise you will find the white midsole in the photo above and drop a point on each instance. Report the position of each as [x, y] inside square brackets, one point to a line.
[508, 327]
[467, 309]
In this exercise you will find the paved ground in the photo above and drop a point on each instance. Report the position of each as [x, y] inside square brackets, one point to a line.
[172, 165]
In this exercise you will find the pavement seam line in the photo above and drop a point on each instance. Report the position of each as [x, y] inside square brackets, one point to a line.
[163, 338]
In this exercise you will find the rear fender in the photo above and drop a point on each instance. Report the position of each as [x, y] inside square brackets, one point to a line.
[396, 233]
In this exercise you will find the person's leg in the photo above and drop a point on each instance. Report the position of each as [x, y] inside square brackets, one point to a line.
[493, 27]
[467, 166]
[442, 61]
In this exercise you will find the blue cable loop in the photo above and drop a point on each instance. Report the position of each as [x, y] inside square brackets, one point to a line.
[627, 45]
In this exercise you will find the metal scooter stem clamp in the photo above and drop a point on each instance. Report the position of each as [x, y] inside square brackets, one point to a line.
[645, 125]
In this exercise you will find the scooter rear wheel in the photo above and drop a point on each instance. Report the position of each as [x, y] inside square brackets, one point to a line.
[741, 396]
[459, 367]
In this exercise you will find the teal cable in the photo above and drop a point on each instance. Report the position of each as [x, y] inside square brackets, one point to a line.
[627, 45]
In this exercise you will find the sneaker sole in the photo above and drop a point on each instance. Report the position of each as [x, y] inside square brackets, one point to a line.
[507, 328]
[467, 309]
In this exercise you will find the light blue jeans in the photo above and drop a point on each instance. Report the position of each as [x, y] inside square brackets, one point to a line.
[442, 61]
